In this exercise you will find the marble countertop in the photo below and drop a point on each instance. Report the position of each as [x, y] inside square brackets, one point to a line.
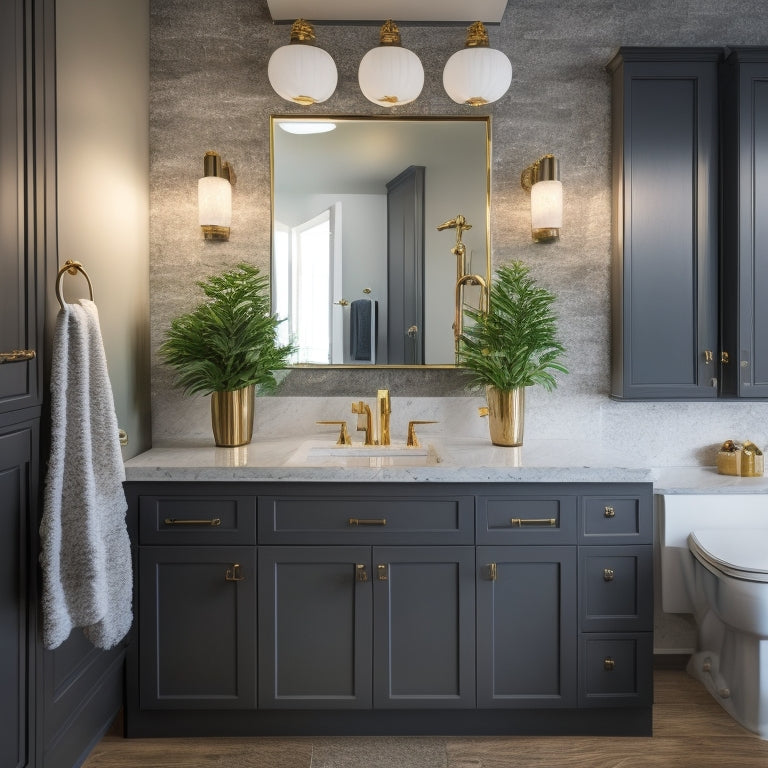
[471, 460]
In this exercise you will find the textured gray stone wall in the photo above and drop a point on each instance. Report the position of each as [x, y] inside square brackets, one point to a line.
[209, 90]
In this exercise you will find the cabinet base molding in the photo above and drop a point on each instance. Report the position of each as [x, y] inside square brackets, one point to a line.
[614, 721]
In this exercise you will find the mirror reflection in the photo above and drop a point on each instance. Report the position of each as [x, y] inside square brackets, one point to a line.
[363, 268]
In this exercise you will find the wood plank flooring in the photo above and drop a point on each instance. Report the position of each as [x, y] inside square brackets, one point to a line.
[691, 730]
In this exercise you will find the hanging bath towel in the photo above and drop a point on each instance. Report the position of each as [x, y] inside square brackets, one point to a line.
[85, 549]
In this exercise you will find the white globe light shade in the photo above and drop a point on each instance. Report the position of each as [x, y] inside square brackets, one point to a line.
[302, 74]
[547, 205]
[477, 76]
[390, 75]
[214, 200]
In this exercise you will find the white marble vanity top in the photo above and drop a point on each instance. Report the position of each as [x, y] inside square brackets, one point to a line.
[470, 460]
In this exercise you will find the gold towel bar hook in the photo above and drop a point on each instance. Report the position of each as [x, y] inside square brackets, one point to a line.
[72, 267]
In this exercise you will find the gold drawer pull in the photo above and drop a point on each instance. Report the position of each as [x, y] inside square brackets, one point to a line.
[233, 573]
[492, 572]
[361, 574]
[609, 664]
[213, 522]
[353, 521]
[521, 521]
[17, 356]
[607, 574]
[381, 568]
[610, 512]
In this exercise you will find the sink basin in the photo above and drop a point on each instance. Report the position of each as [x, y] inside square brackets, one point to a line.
[314, 453]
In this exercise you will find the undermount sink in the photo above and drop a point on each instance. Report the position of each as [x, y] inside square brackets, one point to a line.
[321, 453]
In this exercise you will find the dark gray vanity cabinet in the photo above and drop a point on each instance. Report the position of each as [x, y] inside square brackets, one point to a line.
[197, 583]
[375, 608]
[745, 223]
[665, 236]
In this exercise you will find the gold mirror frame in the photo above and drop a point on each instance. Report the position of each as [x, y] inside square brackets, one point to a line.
[438, 243]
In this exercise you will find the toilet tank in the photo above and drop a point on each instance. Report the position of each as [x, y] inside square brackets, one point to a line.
[679, 514]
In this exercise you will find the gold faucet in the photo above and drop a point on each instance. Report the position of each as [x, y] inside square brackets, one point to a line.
[383, 409]
[364, 421]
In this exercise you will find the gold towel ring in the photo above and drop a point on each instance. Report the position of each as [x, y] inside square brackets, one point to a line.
[72, 267]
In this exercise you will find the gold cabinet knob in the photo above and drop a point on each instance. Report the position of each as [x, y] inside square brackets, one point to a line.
[609, 664]
[607, 574]
[361, 573]
[233, 573]
[610, 512]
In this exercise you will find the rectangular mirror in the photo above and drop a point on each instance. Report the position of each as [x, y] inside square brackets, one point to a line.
[359, 269]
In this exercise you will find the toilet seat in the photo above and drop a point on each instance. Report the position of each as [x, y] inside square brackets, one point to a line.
[740, 554]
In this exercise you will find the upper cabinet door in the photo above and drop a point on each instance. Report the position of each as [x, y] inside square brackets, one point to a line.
[745, 223]
[19, 364]
[665, 224]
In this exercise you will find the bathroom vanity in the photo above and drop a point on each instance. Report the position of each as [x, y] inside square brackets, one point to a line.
[406, 600]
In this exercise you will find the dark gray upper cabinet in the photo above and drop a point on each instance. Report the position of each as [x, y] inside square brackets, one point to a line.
[665, 223]
[745, 223]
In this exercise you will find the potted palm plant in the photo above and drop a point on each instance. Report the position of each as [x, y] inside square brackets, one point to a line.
[512, 346]
[226, 347]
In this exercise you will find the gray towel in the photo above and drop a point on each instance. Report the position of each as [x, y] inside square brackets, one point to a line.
[362, 329]
[85, 552]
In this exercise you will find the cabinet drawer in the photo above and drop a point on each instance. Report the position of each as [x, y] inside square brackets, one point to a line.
[524, 520]
[428, 519]
[616, 589]
[197, 520]
[616, 669]
[616, 520]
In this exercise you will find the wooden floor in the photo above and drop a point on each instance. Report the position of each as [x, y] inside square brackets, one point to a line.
[690, 729]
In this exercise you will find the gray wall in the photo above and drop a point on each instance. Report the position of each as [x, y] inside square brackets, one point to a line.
[102, 73]
[209, 90]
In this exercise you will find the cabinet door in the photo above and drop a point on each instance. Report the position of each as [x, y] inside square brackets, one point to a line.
[20, 373]
[665, 233]
[197, 619]
[18, 470]
[424, 618]
[315, 627]
[526, 627]
[745, 219]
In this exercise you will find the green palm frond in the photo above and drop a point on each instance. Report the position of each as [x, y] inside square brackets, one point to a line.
[230, 340]
[515, 344]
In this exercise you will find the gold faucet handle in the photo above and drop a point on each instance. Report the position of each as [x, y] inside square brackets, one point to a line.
[413, 439]
[344, 438]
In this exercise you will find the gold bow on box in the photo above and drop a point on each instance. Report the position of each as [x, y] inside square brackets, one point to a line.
[745, 460]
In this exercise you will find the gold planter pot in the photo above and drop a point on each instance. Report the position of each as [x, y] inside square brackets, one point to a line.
[232, 417]
[506, 412]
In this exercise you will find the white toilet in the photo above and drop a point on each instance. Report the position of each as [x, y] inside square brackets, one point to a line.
[714, 564]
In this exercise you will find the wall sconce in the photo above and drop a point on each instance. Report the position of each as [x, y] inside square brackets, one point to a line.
[478, 74]
[300, 72]
[542, 180]
[214, 197]
[390, 75]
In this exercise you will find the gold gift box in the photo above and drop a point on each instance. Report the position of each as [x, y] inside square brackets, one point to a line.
[744, 460]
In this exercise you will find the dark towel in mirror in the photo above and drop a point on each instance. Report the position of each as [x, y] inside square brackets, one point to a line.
[362, 328]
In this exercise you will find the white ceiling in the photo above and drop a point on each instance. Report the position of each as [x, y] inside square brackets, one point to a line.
[488, 11]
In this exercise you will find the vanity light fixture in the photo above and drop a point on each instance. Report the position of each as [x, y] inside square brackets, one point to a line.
[214, 197]
[390, 75]
[477, 74]
[542, 180]
[308, 127]
[300, 72]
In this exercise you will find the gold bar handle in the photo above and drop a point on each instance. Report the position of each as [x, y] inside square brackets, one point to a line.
[382, 571]
[521, 521]
[176, 521]
[492, 572]
[609, 664]
[361, 574]
[17, 356]
[233, 573]
[354, 521]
